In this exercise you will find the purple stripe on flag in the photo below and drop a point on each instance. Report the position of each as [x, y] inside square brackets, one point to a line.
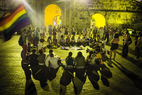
[21, 24]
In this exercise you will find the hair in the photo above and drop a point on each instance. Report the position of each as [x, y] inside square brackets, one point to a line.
[97, 49]
[33, 51]
[29, 27]
[127, 32]
[102, 44]
[29, 44]
[40, 51]
[50, 51]
[24, 30]
[70, 54]
[116, 35]
[51, 55]
[79, 54]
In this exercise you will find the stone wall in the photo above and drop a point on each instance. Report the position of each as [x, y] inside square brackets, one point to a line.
[118, 13]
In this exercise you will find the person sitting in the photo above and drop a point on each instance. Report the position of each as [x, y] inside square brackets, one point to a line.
[78, 42]
[68, 41]
[33, 59]
[83, 41]
[69, 61]
[41, 58]
[90, 40]
[72, 41]
[62, 41]
[99, 60]
[80, 64]
[91, 59]
[55, 41]
[48, 57]
[49, 42]
[103, 52]
[53, 66]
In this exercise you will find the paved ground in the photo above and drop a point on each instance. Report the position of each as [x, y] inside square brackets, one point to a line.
[126, 74]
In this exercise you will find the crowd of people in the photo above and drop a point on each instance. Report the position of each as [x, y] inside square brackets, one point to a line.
[96, 38]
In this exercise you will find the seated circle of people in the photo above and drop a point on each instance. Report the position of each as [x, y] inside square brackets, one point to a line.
[77, 65]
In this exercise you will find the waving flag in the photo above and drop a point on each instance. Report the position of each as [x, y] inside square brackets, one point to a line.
[14, 21]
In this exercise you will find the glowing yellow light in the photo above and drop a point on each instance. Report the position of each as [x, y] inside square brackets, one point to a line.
[51, 12]
[99, 20]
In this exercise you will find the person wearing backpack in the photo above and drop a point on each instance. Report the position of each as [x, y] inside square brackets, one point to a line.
[138, 46]
[25, 45]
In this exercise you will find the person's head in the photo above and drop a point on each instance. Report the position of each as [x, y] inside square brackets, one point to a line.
[97, 50]
[127, 32]
[97, 42]
[116, 35]
[40, 51]
[50, 51]
[33, 51]
[29, 28]
[24, 31]
[72, 37]
[78, 37]
[51, 55]
[79, 54]
[29, 44]
[70, 54]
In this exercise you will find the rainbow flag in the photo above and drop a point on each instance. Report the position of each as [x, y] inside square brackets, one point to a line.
[14, 21]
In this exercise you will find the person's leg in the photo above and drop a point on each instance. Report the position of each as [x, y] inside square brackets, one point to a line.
[114, 54]
[126, 50]
[25, 49]
[138, 53]
[110, 54]
[123, 51]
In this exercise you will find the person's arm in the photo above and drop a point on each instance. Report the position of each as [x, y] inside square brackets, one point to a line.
[112, 40]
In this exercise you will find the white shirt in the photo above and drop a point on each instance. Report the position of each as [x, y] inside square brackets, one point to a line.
[54, 62]
[47, 59]
[104, 49]
[40, 45]
[78, 40]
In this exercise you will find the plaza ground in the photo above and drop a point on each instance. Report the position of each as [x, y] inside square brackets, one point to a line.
[126, 73]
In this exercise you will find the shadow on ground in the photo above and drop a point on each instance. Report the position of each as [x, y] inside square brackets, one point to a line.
[135, 78]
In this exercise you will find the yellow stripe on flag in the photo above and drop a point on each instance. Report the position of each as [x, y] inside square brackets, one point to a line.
[7, 25]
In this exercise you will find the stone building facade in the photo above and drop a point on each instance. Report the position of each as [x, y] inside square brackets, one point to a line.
[118, 13]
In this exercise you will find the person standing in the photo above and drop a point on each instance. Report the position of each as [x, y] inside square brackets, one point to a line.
[25, 45]
[66, 30]
[126, 42]
[54, 32]
[114, 45]
[138, 46]
[36, 36]
[110, 35]
[30, 35]
[50, 30]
